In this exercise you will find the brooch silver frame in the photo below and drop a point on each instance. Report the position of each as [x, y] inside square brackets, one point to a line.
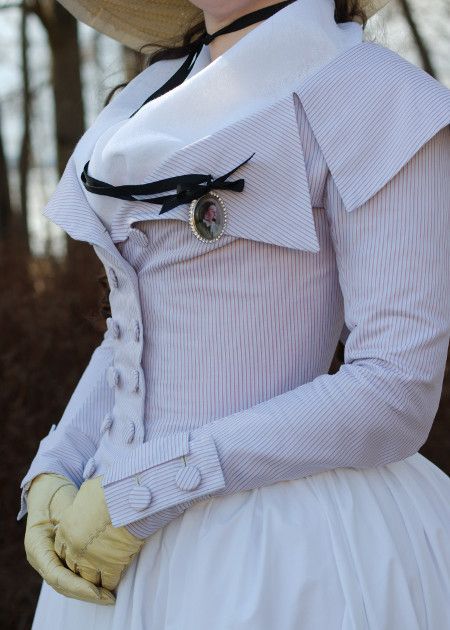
[192, 209]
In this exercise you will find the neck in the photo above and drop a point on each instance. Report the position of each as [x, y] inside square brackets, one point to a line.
[221, 17]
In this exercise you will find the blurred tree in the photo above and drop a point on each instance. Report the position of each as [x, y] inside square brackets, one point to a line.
[5, 200]
[418, 39]
[24, 158]
[61, 28]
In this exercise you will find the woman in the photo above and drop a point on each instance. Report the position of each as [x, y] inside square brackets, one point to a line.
[208, 471]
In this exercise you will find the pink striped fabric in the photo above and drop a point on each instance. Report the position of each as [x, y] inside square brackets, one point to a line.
[212, 377]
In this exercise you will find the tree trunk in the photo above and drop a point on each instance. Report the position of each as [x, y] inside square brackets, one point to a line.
[62, 33]
[420, 43]
[5, 200]
[24, 159]
[67, 88]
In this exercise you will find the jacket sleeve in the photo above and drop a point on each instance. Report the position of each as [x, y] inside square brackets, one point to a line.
[70, 443]
[387, 204]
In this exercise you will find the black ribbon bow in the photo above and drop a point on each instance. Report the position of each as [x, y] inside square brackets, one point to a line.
[188, 187]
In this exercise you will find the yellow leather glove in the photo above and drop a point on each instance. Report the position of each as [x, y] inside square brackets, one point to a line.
[48, 496]
[87, 541]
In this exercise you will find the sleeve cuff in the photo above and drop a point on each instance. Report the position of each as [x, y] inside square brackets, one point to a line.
[41, 465]
[167, 473]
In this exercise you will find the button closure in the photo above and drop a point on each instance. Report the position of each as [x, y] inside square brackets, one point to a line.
[188, 477]
[115, 329]
[130, 431]
[140, 497]
[137, 330]
[134, 381]
[106, 424]
[113, 376]
[113, 278]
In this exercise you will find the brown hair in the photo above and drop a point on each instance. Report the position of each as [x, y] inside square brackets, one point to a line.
[345, 11]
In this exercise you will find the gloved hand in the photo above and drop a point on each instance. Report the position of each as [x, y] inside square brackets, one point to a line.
[48, 496]
[87, 541]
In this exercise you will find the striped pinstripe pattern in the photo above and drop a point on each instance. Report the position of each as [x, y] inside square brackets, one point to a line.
[237, 336]
[402, 105]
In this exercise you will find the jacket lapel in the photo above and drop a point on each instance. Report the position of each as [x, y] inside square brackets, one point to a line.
[241, 103]
[275, 204]
[68, 208]
[274, 207]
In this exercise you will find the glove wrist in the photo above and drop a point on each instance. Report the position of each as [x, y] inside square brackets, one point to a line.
[45, 498]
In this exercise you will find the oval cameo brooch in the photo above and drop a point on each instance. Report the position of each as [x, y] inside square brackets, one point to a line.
[208, 217]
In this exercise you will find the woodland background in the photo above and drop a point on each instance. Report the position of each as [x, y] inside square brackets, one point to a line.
[54, 77]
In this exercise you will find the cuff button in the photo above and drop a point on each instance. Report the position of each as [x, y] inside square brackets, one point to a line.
[188, 478]
[140, 497]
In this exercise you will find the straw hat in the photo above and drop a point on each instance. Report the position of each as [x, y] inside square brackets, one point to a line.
[138, 22]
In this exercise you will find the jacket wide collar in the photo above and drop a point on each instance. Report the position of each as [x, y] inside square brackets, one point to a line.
[274, 206]
[242, 103]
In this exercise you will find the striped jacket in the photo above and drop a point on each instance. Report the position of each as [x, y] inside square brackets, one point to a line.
[212, 377]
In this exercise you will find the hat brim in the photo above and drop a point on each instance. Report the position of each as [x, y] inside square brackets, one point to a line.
[136, 23]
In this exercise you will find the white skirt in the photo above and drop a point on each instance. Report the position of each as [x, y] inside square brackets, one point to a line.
[344, 549]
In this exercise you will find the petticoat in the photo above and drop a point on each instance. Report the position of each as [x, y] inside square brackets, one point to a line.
[344, 549]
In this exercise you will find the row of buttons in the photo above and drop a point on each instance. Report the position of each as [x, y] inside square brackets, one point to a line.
[113, 375]
[142, 240]
[116, 332]
[114, 379]
[187, 478]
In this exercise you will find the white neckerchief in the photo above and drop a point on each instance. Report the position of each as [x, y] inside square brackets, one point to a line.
[256, 71]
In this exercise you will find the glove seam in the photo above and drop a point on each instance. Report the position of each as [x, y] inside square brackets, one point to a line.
[91, 539]
[53, 496]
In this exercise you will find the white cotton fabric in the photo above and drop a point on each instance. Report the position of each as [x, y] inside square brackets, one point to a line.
[341, 550]
[268, 61]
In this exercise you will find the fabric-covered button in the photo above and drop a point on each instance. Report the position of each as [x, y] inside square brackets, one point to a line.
[113, 376]
[188, 478]
[139, 237]
[129, 432]
[113, 278]
[115, 329]
[89, 469]
[137, 330]
[134, 381]
[140, 497]
[106, 424]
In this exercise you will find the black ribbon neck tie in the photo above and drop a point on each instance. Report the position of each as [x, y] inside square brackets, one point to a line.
[242, 22]
[188, 187]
